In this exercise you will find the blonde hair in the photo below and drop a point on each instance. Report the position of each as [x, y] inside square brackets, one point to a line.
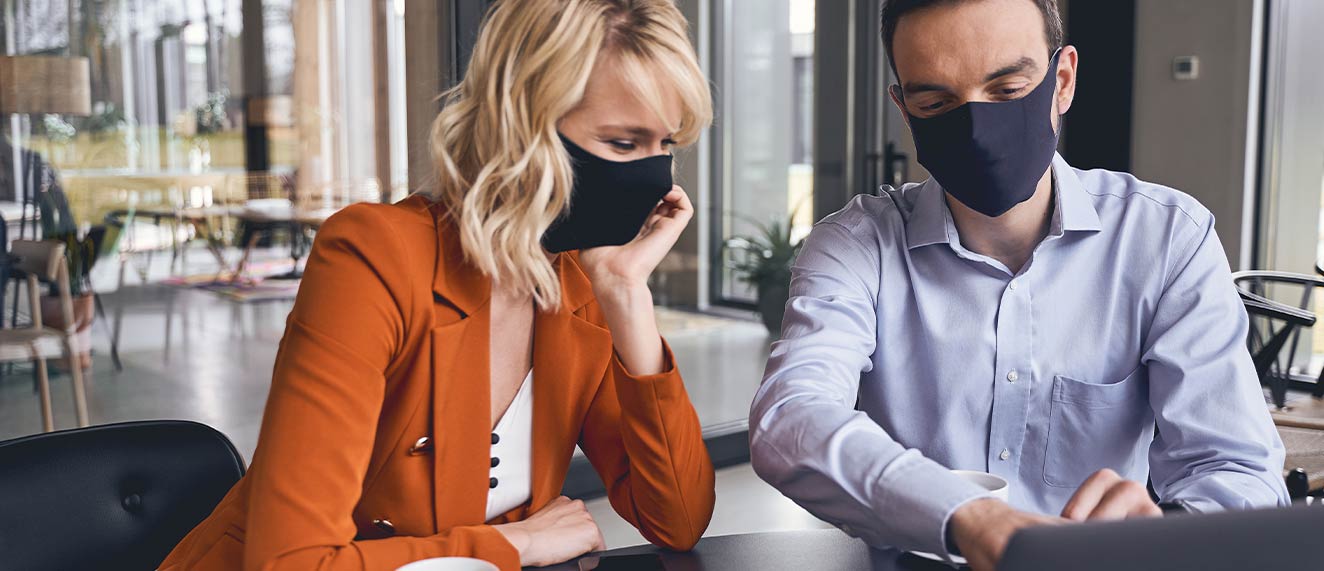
[503, 174]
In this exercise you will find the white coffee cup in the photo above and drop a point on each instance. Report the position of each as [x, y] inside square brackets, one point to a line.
[449, 564]
[996, 485]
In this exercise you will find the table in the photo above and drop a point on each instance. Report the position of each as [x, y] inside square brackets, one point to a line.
[277, 212]
[819, 550]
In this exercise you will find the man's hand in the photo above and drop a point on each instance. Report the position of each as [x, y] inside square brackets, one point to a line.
[982, 529]
[1106, 496]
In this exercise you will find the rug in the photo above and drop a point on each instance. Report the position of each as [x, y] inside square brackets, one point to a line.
[257, 284]
[251, 291]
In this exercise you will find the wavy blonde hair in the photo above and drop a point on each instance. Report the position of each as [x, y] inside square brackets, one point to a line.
[503, 174]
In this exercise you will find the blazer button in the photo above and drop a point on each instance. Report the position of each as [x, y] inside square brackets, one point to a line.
[384, 525]
[421, 446]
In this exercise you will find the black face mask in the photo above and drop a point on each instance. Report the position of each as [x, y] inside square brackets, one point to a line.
[610, 201]
[991, 156]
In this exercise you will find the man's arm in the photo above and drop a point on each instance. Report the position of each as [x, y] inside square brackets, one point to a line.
[807, 439]
[1216, 446]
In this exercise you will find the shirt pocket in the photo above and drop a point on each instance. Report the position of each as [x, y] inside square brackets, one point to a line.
[1093, 426]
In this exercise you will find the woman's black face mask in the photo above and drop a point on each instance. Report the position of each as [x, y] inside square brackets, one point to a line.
[610, 200]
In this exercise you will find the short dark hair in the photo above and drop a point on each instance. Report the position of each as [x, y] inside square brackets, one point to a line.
[893, 10]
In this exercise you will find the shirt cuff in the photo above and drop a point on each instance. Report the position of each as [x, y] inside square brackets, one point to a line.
[928, 494]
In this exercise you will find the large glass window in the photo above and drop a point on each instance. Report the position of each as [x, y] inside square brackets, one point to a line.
[186, 151]
[765, 95]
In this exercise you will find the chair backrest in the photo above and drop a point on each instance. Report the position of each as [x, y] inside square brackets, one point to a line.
[117, 496]
[1276, 326]
[40, 258]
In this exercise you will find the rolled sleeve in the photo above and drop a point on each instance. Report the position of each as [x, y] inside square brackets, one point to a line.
[643, 437]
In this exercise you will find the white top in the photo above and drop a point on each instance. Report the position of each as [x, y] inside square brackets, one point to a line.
[513, 454]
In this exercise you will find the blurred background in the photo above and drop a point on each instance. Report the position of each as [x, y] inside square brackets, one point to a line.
[186, 151]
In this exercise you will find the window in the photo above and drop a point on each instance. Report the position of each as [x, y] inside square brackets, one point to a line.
[765, 79]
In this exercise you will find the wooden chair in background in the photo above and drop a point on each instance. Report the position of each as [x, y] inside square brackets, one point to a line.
[43, 261]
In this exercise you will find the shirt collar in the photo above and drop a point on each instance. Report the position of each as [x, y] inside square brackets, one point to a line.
[931, 221]
[1075, 210]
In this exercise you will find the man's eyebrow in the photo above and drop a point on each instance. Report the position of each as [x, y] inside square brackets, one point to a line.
[914, 88]
[1023, 64]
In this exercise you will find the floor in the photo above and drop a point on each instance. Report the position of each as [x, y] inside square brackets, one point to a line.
[190, 354]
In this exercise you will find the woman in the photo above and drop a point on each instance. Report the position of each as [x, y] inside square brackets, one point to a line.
[447, 353]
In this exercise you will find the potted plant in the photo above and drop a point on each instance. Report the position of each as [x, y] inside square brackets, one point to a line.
[763, 260]
[82, 249]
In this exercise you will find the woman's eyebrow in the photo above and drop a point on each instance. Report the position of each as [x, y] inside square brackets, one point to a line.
[636, 130]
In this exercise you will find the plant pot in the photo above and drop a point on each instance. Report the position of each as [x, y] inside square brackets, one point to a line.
[84, 312]
[772, 305]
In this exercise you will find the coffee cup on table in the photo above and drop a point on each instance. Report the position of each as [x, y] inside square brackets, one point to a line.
[449, 564]
[997, 486]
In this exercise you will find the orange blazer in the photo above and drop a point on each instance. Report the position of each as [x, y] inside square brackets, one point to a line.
[375, 443]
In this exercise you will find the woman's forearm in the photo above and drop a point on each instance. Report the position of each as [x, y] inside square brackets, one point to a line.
[628, 311]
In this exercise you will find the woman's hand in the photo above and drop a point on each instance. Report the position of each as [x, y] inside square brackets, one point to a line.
[628, 265]
[620, 283]
[560, 531]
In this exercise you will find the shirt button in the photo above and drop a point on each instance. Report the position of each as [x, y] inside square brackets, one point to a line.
[385, 525]
[492, 482]
[495, 438]
[1004, 455]
[495, 461]
[1012, 285]
[1013, 376]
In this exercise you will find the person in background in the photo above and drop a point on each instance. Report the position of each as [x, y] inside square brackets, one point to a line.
[447, 353]
[1074, 332]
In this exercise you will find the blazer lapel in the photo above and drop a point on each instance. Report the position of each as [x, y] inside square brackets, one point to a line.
[461, 388]
[570, 357]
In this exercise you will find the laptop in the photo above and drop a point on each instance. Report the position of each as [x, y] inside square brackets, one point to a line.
[1289, 538]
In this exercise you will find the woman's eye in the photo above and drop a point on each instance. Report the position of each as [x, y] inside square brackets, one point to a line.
[668, 143]
[622, 144]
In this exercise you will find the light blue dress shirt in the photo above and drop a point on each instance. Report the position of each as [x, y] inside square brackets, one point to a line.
[904, 354]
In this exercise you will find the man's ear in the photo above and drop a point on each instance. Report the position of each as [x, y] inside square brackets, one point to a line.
[1067, 64]
[894, 92]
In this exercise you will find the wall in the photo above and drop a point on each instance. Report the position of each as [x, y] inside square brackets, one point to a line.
[1192, 135]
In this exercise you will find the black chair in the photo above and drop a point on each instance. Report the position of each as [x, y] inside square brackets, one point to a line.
[1275, 325]
[117, 496]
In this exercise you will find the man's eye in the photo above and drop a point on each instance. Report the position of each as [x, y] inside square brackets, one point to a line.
[933, 106]
[1010, 91]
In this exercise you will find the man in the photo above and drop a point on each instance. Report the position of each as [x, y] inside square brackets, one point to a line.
[1073, 332]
